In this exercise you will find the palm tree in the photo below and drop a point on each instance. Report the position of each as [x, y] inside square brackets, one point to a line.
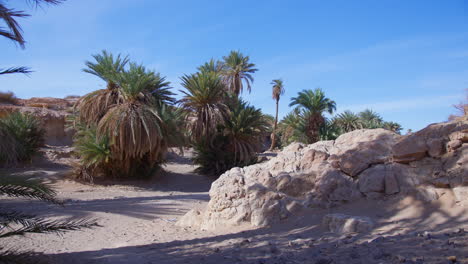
[293, 128]
[238, 70]
[277, 91]
[370, 119]
[235, 142]
[312, 104]
[93, 106]
[14, 31]
[132, 122]
[212, 66]
[204, 101]
[393, 126]
[348, 121]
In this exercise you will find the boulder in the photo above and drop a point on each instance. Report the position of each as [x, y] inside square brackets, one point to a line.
[342, 224]
[357, 150]
[370, 163]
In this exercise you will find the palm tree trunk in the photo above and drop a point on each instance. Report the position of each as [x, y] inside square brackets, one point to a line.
[273, 134]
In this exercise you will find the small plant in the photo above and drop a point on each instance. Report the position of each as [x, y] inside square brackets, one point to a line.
[8, 98]
[22, 135]
[16, 223]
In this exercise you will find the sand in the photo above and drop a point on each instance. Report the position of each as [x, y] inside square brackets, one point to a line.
[138, 218]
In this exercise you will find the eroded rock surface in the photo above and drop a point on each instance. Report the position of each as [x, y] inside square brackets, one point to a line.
[364, 164]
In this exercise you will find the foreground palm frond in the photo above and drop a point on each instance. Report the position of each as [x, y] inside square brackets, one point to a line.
[21, 69]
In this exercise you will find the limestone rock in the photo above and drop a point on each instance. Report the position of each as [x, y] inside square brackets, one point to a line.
[341, 223]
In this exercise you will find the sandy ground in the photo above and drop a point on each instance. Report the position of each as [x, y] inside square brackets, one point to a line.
[138, 226]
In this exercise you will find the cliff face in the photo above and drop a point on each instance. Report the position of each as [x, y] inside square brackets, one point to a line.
[364, 164]
[52, 112]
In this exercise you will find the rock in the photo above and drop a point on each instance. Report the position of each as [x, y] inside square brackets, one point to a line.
[369, 163]
[357, 150]
[454, 144]
[192, 218]
[373, 179]
[391, 183]
[341, 223]
[460, 193]
[435, 147]
[54, 123]
[427, 194]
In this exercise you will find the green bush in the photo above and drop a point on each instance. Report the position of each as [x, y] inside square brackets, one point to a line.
[23, 134]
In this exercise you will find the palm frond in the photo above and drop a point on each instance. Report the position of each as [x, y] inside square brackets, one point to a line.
[12, 70]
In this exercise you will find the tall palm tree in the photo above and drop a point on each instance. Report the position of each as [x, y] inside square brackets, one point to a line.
[312, 104]
[204, 101]
[348, 121]
[277, 91]
[238, 70]
[14, 31]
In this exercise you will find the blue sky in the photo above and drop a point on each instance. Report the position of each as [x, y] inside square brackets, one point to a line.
[407, 60]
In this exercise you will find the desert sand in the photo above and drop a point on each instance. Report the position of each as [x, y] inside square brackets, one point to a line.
[138, 225]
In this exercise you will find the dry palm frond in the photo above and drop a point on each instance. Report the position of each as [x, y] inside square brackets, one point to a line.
[134, 131]
[93, 106]
[204, 101]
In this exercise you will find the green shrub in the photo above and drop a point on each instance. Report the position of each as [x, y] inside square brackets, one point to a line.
[24, 136]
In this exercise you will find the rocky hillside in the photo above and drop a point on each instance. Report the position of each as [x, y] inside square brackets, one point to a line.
[364, 164]
[51, 111]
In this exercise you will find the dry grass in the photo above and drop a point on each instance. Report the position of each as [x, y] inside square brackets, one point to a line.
[41, 105]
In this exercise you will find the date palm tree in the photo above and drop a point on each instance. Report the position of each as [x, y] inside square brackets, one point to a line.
[348, 121]
[277, 91]
[370, 119]
[238, 70]
[204, 101]
[312, 104]
[212, 66]
[93, 106]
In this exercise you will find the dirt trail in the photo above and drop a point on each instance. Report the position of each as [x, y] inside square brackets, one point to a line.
[138, 226]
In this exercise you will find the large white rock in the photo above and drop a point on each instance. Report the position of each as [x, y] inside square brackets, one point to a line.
[369, 163]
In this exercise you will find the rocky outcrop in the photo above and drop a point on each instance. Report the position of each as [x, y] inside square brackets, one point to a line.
[363, 164]
[54, 123]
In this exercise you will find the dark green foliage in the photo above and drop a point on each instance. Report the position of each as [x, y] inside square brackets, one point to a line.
[236, 142]
[23, 135]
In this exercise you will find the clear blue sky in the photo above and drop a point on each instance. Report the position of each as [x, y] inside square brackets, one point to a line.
[407, 60]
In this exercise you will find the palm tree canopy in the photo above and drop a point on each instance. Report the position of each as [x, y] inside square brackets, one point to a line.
[212, 66]
[237, 70]
[204, 101]
[107, 67]
[348, 121]
[278, 89]
[313, 101]
[370, 119]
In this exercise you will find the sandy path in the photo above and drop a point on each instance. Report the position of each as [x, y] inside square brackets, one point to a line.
[138, 226]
